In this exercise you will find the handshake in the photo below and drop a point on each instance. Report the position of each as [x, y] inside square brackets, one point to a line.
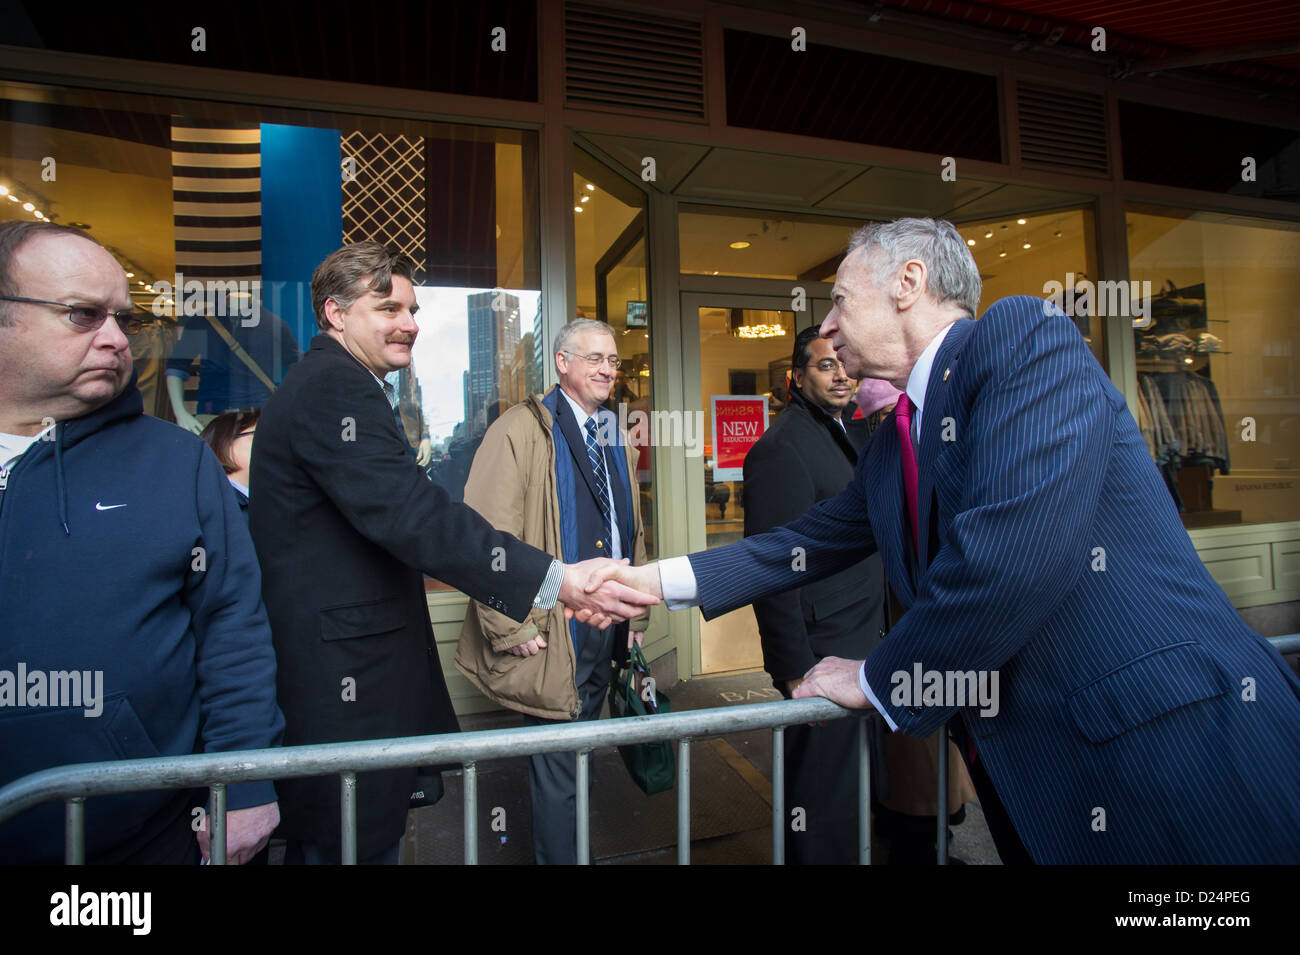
[602, 591]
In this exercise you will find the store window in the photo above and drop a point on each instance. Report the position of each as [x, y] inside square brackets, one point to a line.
[609, 228]
[1218, 382]
[1048, 255]
[219, 213]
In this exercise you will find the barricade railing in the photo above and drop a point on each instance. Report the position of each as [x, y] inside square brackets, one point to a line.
[215, 771]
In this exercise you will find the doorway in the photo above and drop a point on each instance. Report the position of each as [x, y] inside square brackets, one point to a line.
[737, 348]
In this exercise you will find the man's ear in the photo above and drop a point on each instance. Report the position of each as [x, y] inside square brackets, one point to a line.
[796, 376]
[909, 284]
[333, 314]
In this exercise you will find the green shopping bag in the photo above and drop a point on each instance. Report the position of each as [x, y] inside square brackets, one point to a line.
[653, 765]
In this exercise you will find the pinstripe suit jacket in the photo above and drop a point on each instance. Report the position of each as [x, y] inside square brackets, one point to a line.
[1140, 720]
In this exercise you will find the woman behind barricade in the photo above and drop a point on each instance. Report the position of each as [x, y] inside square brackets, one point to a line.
[230, 435]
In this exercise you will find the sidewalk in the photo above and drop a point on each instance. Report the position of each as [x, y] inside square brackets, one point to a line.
[731, 793]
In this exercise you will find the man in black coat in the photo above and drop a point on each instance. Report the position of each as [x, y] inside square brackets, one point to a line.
[807, 456]
[346, 525]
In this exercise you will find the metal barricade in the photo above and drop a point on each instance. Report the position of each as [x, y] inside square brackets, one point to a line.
[73, 784]
[216, 771]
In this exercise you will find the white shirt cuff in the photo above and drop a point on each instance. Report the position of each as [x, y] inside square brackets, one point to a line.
[866, 690]
[677, 580]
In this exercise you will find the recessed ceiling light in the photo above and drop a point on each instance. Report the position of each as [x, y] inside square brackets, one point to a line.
[585, 199]
[1025, 246]
[577, 208]
[1021, 221]
[1057, 234]
[988, 235]
[740, 245]
[4, 190]
[590, 187]
[130, 275]
[970, 241]
[12, 197]
[1002, 254]
[28, 206]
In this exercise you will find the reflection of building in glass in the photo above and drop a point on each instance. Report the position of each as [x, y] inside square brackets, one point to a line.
[536, 373]
[465, 386]
[493, 338]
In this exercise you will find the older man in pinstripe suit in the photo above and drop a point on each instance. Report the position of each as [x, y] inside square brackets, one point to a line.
[1027, 532]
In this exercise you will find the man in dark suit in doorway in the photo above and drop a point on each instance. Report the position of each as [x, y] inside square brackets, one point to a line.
[806, 457]
[346, 525]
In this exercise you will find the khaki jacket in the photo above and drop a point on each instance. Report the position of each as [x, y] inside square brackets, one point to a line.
[512, 484]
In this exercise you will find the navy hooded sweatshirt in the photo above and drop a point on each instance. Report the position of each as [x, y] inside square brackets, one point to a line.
[124, 555]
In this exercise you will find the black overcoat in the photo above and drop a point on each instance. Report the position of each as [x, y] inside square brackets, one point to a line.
[346, 526]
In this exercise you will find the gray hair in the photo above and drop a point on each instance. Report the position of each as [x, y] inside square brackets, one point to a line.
[952, 273]
[564, 337]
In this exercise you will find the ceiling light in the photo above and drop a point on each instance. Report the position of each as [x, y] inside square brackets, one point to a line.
[585, 199]
[28, 206]
[988, 235]
[4, 190]
[12, 197]
[1002, 254]
[1057, 234]
[590, 187]
[130, 275]
[577, 208]
[740, 245]
[39, 214]
[1021, 221]
[970, 241]
[1025, 246]
[760, 331]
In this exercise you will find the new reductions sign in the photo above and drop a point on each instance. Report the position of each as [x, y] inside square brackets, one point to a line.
[738, 422]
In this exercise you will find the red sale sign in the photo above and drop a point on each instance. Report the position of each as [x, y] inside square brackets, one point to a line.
[738, 422]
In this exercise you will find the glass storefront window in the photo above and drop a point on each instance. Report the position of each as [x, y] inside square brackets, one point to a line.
[1047, 255]
[609, 227]
[1218, 384]
[219, 213]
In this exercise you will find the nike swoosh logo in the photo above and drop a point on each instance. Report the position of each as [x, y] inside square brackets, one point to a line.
[107, 507]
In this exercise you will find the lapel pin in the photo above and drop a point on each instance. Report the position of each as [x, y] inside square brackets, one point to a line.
[946, 373]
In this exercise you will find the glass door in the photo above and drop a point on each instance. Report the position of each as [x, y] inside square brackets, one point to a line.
[740, 378]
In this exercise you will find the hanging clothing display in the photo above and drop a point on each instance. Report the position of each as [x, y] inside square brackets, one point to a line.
[1182, 423]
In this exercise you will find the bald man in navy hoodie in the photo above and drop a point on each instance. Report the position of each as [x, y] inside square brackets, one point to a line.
[124, 559]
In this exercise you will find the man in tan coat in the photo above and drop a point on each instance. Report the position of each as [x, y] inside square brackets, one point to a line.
[555, 472]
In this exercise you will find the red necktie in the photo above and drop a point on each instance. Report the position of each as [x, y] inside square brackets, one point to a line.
[903, 422]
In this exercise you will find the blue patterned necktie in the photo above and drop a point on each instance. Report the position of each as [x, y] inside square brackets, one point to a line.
[602, 477]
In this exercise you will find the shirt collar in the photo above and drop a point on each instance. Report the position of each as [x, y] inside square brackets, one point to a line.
[919, 379]
[387, 387]
[578, 413]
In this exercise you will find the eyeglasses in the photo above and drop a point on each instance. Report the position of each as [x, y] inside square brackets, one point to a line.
[243, 434]
[829, 364]
[594, 361]
[91, 317]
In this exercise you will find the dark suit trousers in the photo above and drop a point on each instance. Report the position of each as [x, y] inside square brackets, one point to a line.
[553, 777]
[821, 778]
[1010, 849]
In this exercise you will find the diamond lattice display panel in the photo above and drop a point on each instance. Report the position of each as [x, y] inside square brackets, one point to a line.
[383, 191]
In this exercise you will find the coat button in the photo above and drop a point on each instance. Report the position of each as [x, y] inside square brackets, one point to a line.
[599, 544]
